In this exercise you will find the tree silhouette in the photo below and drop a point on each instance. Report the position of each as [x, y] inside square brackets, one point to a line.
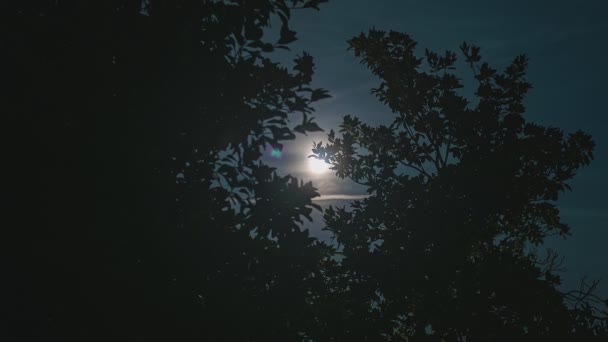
[146, 213]
[462, 191]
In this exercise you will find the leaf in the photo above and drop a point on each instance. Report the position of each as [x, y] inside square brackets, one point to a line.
[287, 35]
[313, 4]
[281, 133]
[267, 47]
[299, 129]
[319, 94]
[312, 127]
[254, 33]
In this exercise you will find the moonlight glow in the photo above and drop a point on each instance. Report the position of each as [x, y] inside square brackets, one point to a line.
[317, 166]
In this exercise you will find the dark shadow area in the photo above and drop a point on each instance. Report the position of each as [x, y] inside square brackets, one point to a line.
[138, 207]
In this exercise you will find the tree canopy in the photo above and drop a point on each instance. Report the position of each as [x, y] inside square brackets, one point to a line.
[462, 191]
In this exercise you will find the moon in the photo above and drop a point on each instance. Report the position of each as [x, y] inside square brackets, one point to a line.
[317, 166]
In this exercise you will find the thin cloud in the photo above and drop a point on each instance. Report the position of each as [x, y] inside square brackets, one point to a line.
[339, 197]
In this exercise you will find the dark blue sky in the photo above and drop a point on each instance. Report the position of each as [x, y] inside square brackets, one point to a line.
[567, 46]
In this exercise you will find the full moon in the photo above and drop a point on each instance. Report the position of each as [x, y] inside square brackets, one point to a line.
[317, 165]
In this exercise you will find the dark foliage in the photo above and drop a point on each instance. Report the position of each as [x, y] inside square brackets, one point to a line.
[140, 208]
[462, 192]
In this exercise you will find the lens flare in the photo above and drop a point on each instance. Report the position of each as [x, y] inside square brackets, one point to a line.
[275, 153]
[276, 150]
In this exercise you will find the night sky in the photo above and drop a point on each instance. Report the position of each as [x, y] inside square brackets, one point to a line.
[566, 44]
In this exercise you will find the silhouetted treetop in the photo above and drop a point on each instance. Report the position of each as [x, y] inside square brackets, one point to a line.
[462, 189]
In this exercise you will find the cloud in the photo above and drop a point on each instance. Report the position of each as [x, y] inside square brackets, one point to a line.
[339, 197]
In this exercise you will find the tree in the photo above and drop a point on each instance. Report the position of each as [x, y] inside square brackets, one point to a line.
[147, 212]
[463, 193]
